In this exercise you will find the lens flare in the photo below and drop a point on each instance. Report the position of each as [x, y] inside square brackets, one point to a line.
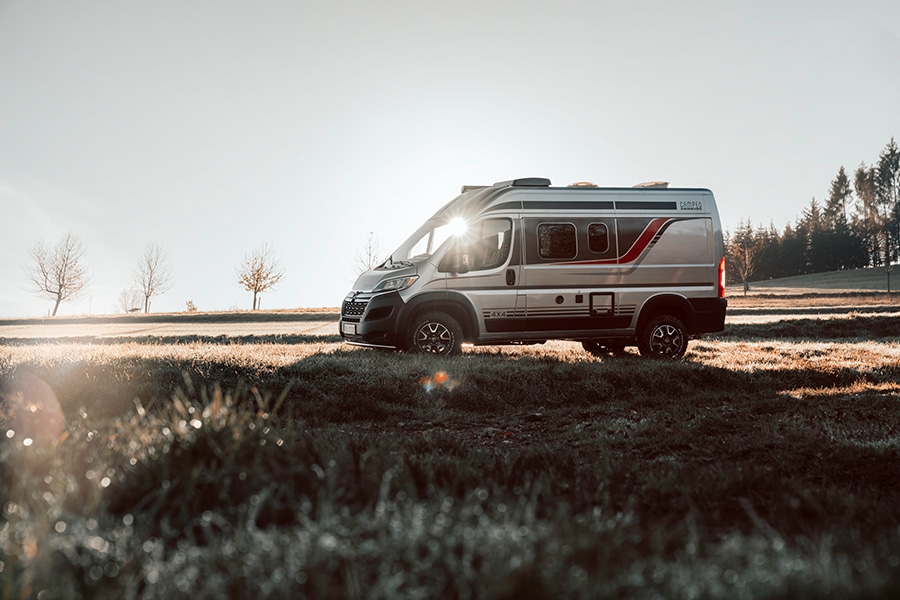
[440, 380]
[32, 411]
[458, 226]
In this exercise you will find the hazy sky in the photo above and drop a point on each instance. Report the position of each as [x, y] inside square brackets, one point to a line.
[209, 127]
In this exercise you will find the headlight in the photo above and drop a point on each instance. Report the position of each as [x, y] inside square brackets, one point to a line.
[397, 283]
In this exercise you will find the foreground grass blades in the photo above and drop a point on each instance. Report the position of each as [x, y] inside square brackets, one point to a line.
[754, 468]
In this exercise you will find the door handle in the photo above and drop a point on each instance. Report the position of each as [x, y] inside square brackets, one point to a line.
[510, 277]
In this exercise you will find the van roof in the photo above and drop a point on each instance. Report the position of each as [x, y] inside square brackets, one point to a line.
[543, 182]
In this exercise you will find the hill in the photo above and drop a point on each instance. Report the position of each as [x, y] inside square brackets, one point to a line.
[833, 282]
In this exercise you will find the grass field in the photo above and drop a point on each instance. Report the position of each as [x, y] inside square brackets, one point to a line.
[853, 281]
[765, 464]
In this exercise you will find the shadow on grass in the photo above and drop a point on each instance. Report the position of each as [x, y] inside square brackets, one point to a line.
[458, 471]
[811, 310]
[817, 330]
[663, 440]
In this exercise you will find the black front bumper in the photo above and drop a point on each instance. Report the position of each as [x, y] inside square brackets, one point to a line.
[372, 319]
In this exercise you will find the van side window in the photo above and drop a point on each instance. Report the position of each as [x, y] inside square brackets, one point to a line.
[598, 237]
[489, 242]
[556, 241]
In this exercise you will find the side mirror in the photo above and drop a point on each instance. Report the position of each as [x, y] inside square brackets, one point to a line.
[454, 263]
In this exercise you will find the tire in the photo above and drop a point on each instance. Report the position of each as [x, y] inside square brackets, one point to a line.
[604, 350]
[617, 349]
[436, 333]
[595, 348]
[663, 337]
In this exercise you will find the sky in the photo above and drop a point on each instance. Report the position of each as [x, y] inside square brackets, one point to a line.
[211, 127]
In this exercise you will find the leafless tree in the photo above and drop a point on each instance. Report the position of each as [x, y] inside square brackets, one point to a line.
[368, 256]
[152, 275]
[130, 300]
[259, 272]
[744, 258]
[742, 252]
[58, 272]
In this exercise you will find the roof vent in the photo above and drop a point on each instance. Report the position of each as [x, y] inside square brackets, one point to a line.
[652, 184]
[525, 182]
[583, 184]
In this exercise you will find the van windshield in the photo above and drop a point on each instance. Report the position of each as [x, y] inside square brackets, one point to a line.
[428, 238]
[421, 244]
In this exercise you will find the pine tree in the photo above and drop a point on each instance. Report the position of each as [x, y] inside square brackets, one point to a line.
[838, 196]
[814, 234]
[793, 252]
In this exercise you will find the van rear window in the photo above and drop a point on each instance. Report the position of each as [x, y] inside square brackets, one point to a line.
[556, 241]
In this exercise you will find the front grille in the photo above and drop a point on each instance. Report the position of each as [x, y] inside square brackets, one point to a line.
[353, 309]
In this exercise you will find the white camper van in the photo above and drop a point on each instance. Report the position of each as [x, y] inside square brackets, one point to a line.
[523, 262]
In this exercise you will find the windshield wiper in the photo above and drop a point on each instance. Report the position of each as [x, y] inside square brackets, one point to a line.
[390, 263]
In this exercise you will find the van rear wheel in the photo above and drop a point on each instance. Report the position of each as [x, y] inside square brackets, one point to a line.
[663, 337]
[436, 333]
[604, 350]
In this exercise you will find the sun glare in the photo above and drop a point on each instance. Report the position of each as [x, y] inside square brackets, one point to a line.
[457, 226]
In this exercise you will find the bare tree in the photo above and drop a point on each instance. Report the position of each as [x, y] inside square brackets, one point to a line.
[742, 253]
[369, 255]
[152, 275]
[887, 196]
[259, 272]
[130, 300]
[744, 258]
[864, 183]
[58, 272]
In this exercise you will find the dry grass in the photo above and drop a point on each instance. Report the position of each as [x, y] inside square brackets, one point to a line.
[849, 282]
[793, 298]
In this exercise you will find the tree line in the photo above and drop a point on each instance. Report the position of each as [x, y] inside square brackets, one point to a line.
[857, 225]
[59, 273]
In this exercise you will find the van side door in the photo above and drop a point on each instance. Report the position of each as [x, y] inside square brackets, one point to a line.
[571, 276]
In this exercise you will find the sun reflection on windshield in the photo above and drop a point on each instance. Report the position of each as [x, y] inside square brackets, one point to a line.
[457, 226]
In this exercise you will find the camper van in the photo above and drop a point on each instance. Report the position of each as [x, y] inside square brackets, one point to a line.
[523, 262]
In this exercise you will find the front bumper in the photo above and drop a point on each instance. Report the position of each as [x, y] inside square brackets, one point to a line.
[372, 319]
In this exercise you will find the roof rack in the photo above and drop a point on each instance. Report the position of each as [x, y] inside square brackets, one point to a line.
[525, 182]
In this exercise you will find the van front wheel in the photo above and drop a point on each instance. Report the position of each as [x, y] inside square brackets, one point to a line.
[663, 337]
[436, 333]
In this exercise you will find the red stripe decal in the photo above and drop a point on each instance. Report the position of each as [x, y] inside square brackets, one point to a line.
[641, 243]
[637, 248]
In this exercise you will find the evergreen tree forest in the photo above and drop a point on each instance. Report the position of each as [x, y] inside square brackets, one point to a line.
[857, 225]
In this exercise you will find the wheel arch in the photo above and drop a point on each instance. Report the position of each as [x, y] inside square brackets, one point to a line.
[666, 304]
[454, 304]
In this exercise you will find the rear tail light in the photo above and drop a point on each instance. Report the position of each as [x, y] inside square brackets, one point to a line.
[722, 278]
